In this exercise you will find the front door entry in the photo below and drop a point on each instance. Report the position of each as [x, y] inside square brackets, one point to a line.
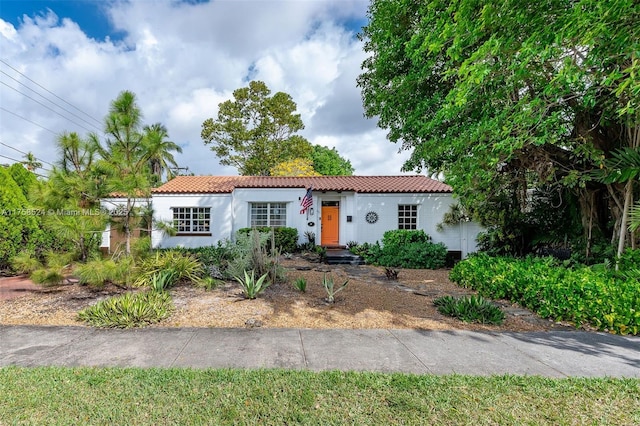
[330, 231]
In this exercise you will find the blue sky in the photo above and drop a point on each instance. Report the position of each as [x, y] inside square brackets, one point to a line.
[88, 14]
[64, 61]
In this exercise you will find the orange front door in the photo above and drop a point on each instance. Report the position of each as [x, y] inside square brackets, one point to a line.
[330, 229]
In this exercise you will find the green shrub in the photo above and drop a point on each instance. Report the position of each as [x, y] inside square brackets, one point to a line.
[402, 248]
[286, 239]
[98, 272]
[473, 309]
[129, 310]
[415, 255]
[397, 238]
[19, 223]
[186, 267]
[582, 295]
[629, 260]
[252, 287]
[25, 262]
[47, 276]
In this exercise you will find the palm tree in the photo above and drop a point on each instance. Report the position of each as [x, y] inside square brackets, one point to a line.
[31, 162]
[158, 151]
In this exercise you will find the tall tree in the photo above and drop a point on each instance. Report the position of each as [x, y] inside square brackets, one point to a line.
[328, 162]
[256, 131]
[499, 91]
[159, 150]
[127, 158]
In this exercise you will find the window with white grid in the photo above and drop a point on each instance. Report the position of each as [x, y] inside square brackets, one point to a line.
[269, 214]
[407, 216]
[192, 220]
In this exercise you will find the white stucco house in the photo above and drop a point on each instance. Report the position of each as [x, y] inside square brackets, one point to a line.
[343, 209]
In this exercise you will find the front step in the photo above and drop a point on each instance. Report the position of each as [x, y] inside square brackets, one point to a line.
[342, 257]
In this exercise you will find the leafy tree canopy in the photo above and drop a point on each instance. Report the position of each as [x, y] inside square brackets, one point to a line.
[509, 95]
[328, 162]
[256, 131]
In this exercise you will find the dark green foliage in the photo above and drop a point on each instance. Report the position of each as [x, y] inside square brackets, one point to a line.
[486, 94]
[18, 221]
[404, 249]
[397, 238]
[286, 238]
[581, 295]
[629, 260]
[328, 162]
[23, 177]
[129, 310]
[256, 131]
[474, 309]
[369, 252]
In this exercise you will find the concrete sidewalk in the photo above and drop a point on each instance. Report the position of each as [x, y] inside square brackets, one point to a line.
[552, 354]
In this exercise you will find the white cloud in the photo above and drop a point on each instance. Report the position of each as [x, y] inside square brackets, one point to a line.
[182, 60]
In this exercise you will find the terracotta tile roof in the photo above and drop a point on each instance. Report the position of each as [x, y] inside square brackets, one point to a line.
[363, 184]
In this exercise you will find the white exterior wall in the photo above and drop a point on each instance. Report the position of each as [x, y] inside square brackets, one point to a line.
[221, 218]
[242, 198]
[231, 212]
[431, 208]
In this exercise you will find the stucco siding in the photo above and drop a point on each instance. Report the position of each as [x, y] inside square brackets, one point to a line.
[431, 208]
[221, 218]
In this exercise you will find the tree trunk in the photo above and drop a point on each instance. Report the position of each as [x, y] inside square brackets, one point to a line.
[628, 198]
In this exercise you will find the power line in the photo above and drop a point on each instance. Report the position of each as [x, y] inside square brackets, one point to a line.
[22, 152]
[18, 161]
[26, 119]
[49, 100]
[47, 107]
[49, 91]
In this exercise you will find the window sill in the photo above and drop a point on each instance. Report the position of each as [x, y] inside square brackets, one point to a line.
[192, 234]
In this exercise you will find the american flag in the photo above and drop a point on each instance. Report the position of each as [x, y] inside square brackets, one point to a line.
[307, 200]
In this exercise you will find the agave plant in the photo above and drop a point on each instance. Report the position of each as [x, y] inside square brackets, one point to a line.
[330, 288]
[252, 287]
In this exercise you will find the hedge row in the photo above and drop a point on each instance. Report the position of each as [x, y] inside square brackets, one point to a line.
[580, 295]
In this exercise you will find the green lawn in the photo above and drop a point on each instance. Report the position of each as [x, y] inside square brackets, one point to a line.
[184, 396]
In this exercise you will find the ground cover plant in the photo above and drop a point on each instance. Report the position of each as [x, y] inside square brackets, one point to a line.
[470, 309]
[597, 297]
[129, 310]
[51, 395]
